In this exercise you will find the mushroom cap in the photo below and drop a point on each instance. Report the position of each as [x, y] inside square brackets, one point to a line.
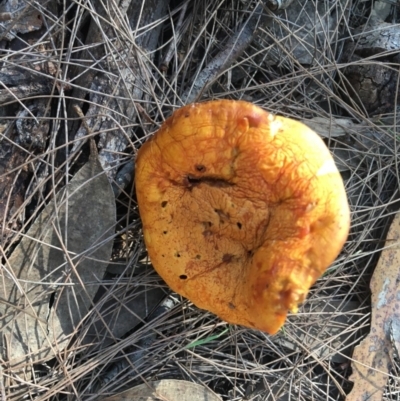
[242, 210]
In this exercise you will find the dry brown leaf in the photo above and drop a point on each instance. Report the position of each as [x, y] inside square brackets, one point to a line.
[372, 359]
[45, 290]
[171, 390]
[123, 310]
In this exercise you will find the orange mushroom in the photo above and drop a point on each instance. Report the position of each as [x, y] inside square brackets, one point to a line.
[242, 210]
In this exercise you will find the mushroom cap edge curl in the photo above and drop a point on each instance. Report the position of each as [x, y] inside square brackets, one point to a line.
[242, 210]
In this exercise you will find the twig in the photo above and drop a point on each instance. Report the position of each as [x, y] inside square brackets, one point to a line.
[173, 45]
[233, 49]
[84, 131]
[2, 389]
[22, 92]
[143, 345]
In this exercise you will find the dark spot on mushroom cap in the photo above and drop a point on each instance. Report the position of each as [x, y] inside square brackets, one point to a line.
[223, 216]
[200, 168]
[227, 258]
[164, 203]
[186, 183]
[239, 225]
[190, 181]
[183, 276]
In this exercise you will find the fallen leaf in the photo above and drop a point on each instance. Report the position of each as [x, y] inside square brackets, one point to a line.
[122, 308]
[171, 390]
[50, 279]
[373, 358]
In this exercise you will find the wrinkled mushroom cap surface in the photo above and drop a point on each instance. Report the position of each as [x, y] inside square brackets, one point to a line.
[242, 210]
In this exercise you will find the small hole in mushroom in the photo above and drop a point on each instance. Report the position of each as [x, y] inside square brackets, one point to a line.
[187, 115]
[164, 203]
[183, 276]
[222, 215]
[227, 258]
[191, 181]
[239, 225]
[200, 168]
[165, 232]
[177, 254]
[198, 256]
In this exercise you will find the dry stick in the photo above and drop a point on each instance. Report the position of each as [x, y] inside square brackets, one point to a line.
[119, 90]
[28, 91]
[2, 389]
[143, 346]
[81, 131]
[172, 47]
[233, 49]
[124, 176]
